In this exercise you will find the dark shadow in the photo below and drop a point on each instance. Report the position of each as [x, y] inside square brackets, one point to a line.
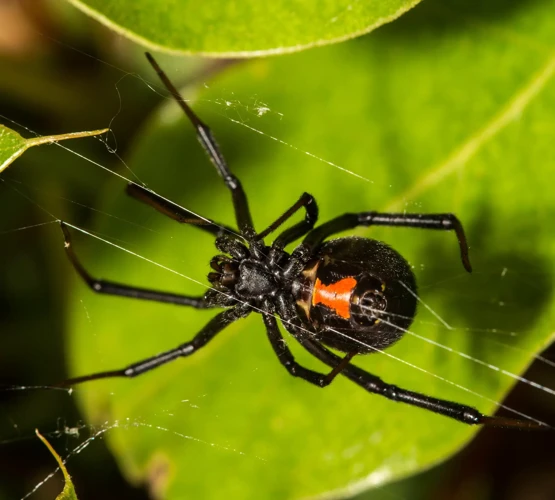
[509, 288]
[433, 18]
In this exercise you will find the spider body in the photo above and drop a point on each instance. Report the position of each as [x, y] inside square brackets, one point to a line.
[355, 295]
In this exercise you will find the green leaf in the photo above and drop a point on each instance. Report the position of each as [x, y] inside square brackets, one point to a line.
[246, 28]
[440, 116]
[68, 493]
[12, 145]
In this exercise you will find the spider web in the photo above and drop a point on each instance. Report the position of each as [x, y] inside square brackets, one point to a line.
[79, 436]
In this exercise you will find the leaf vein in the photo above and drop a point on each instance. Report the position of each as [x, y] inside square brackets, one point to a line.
[460, 156]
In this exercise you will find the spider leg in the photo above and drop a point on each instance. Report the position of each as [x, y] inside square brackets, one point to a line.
[213, 327]
[175, 212]
[205, 137]
[456, 411]
[286, 358]
[289, 235]
[442, 222]
[111, 288]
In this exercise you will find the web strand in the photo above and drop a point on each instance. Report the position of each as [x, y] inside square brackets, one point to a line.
[443, 379]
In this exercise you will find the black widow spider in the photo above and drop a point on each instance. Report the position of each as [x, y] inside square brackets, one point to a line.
[355, 295]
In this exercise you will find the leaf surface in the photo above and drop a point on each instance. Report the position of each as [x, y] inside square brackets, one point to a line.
[438, 115]
[245, 28]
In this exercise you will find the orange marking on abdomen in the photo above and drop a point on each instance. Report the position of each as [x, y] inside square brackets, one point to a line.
[336, 296]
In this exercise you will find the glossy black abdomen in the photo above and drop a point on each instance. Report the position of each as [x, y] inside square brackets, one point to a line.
[358, 295]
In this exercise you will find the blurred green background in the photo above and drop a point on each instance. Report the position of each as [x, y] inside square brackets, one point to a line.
[61, 72]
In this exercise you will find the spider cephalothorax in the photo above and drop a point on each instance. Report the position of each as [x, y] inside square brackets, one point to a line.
[355, 295]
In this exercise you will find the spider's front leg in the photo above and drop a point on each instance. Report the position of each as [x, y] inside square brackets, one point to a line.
[176, 212]
[205, 137]
[121, 290]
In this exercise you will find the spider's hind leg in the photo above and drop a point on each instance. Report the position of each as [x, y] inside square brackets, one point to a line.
[210, 330]
[438, 222]
[457, 411]
[286, 358]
